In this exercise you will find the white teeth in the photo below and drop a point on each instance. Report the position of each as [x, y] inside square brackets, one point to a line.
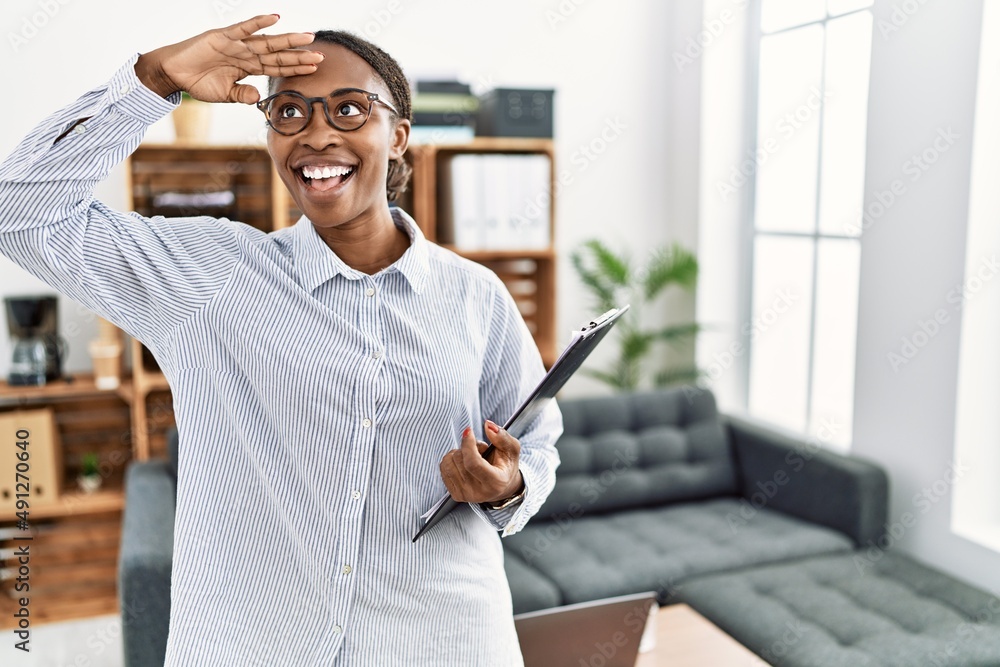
[325, 172]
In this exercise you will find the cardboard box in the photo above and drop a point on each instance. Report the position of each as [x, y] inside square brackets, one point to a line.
[44, 462]
[515, 112]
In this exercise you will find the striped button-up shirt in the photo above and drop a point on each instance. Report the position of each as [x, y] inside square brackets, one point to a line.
[313, 404]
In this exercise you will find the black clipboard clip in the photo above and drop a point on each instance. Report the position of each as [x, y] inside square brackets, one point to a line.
[582, 343]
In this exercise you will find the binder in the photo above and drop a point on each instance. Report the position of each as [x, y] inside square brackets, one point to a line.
[582, 343]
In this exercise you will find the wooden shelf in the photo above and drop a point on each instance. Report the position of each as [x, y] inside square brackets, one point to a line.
[493, 145]
[87, 419]
[481, 255]
[199, 146]
[74, 385]
[154, 381]
[74, 503]
[74, 564]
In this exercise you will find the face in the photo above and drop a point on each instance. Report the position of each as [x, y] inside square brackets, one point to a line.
[358, 196]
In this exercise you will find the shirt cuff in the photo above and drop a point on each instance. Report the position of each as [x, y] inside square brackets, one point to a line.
[504, 520]
[128, 94]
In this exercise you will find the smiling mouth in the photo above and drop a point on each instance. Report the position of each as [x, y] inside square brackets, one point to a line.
[325, 178]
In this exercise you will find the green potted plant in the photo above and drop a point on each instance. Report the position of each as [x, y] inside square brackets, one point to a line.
[613, 279]
[89, 479]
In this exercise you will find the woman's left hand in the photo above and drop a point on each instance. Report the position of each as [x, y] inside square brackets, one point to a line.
[470, 478]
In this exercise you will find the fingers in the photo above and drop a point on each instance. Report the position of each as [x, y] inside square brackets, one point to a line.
[283, 71]
[467, 475]
[261, 44]
[506, 444]
[279, 55]
[289, 63]
[244, 29]
[244, 94]
[472, 461]
[471, 478]
[456, 479]
[469, 449]
[291, 58]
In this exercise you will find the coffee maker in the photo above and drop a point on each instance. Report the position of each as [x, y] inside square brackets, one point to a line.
[38, 349]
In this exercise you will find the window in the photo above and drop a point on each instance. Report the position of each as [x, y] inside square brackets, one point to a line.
[810, 103]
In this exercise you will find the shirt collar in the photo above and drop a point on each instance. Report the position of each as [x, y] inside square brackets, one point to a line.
[316, 262]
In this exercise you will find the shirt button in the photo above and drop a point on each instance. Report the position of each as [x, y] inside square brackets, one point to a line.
[366, 422]
[337, 629]
[370, 291]
[377, 353]
[347, 569]
[79, 129]
[125, 89]
[355, 494]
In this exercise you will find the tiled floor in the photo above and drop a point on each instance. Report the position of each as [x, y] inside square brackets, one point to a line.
[96, 642]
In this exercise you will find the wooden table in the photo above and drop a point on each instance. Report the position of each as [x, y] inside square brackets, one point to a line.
[685, 637]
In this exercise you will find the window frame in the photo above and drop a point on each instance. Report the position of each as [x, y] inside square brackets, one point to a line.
[749, 232]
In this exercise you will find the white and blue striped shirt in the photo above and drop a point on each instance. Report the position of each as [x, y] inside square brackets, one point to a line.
[313, 403]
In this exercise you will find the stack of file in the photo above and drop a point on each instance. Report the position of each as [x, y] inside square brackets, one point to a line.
[496, 201]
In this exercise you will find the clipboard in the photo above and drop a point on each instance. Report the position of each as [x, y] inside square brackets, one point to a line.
[580, 346]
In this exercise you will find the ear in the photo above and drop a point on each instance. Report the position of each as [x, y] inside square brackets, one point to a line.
[400, 139]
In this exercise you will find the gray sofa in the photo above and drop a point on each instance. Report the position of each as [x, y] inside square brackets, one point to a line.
[656, 488]
[145, 557]
[777, 541]
[772, 538]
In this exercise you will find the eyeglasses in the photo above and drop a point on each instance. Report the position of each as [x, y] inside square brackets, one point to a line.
[289, 112]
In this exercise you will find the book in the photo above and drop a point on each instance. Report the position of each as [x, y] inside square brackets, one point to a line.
[496, 201]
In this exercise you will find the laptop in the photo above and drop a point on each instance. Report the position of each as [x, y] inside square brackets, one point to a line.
[602, 632]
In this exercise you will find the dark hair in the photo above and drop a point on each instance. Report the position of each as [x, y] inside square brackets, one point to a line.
[392, 76]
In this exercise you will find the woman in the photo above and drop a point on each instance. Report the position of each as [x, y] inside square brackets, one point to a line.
[322, 374]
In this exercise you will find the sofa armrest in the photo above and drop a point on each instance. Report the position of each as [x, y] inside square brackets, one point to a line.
[799, 478]
[144, 562]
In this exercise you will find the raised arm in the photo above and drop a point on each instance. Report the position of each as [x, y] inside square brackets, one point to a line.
[147, 275]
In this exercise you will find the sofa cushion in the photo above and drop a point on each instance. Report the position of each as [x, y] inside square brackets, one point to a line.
[529, 588]
[865, 608]
[639, 449]
[630, 551]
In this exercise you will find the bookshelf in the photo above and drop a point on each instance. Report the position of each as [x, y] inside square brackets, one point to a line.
[74, 545]
[530, 275]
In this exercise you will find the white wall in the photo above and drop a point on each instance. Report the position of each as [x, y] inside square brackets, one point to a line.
[609, 64]
[923, 86]
[976, 508]
[722, 244]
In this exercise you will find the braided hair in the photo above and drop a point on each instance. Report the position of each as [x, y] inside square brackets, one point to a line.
[392, 76]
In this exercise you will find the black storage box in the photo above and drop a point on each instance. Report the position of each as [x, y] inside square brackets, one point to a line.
[515, 112]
